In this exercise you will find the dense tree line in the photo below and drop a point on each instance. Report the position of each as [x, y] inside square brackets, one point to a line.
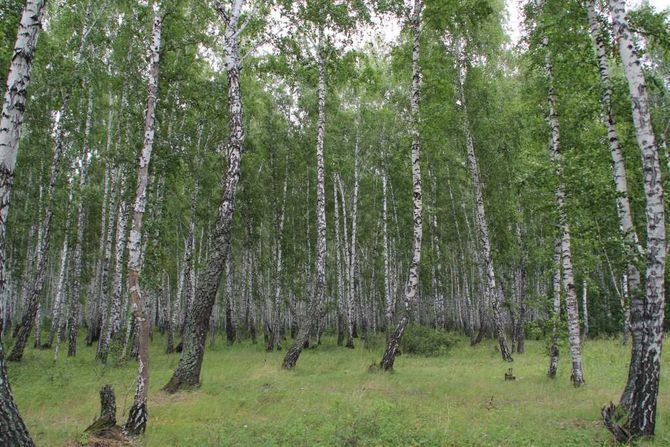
[177, 158]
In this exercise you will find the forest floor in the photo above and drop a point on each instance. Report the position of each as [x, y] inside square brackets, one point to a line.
[459, 399]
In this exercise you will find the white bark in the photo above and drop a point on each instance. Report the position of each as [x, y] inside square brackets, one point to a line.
[138, 415]
[492, 288]
[412, 285]
[577, 375]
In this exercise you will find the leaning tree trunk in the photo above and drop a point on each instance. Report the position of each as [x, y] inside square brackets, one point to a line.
[317, 296]
[412, 284]
[641, 406]
[138, 413]
[492, 287]
[577, 376]
[634, 303]
[12, 429]
[187, 372]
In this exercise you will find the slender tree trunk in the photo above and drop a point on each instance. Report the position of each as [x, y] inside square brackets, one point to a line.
[492, 286]
[412, 285]
[75, 304]
[187, 372]
[341, 304]
[275, 337]
[388, 300]
[585, 311]
[138, 413]
[105, 305]
[352, 258]
[317, 297]
[57, 327]
[577, 376]
[556, 316]
[520, 279]
[641, 405]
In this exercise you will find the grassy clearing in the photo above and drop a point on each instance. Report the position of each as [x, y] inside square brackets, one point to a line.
[459, 399]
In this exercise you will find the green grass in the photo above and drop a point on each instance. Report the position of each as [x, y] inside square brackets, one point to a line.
[459, 399]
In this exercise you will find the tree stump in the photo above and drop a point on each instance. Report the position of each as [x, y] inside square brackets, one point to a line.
[105, 428]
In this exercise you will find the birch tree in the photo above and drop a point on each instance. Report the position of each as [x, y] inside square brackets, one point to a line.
[577, 376]
[639, 402]
[187, 373]
[411, 287]
[138, 413]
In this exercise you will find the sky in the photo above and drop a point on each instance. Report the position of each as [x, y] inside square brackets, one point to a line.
[513, 8]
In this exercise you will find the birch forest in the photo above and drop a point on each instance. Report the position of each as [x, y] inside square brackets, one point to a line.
[334, 222]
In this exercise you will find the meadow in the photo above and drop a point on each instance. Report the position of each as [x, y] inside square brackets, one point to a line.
[331, 398]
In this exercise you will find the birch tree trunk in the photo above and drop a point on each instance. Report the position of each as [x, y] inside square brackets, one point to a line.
[12, 429]
[138, 413]
[112, 324]
[57, 327]
[275, 336]
[634, 302]
[352, 258]
[317, 297]
[412, 284]
[341, 304]
[101, 328]
[492, 287]
[388, 300]
[577, 376]
[640, 401]
[556, 316]
[187, 372]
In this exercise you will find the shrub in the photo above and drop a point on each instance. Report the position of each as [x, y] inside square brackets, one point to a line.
[426, 341]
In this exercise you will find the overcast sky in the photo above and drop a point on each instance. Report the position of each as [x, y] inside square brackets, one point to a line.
[513, 9]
